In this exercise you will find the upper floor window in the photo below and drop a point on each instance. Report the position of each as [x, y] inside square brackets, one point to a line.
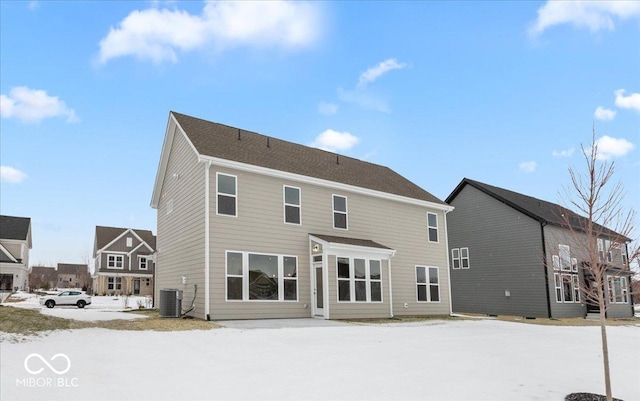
[455, 258]
[115, 261]
[464, 256]
[339, 212]
[605, 250]
[432, 227]
[129, 242]
[565, 257]
[460, 258]
[143, 263]
[227, 194]
[292, 210]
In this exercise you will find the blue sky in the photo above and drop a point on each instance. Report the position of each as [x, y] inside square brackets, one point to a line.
[500, 92]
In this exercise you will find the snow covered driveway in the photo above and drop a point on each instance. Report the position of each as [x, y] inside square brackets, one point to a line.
[433, 360]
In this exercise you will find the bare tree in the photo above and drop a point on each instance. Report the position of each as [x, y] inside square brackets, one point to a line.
[601, 240]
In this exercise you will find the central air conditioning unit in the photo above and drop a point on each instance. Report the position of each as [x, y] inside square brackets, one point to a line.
[170, 302]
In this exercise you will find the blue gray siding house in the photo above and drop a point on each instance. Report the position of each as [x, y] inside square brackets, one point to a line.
[512, 254]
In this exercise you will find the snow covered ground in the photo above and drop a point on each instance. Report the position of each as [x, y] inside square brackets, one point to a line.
[101, 308]
[431, 360]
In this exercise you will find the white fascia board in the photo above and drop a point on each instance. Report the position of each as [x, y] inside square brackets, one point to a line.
[334, 248]
[141, 275]
[320, 182]
[142, 242]
[172, 128]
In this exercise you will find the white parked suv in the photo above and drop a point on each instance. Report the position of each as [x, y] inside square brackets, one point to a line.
[77, 298]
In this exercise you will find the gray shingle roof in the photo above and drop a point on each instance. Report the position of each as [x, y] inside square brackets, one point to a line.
[69, 268]
[350, 241]
[104, 235]
[14, 227]
[229, 143]
[538, 209]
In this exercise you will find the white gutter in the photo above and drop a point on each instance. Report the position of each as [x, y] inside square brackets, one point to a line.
[207, 167]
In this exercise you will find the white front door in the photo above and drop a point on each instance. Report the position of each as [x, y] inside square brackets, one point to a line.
[318, 290]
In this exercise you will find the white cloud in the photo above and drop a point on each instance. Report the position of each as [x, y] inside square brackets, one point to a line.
[627, 102]
[594, 15]
[11, 175]
[159, 34]
[364, 99]
[377, 71]
[563, 153]
[33, 105]
[528, 167]
[604, 114]
[327, 108]
[335, 141]
[609, 147]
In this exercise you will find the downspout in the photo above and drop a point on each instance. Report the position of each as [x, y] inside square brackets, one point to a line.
[446, 243]
[390, 287]
[207, 167]
[546, 270]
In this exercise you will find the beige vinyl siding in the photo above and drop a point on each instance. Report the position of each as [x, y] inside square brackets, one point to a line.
[14, 249]
[180, 239]
[260, 228]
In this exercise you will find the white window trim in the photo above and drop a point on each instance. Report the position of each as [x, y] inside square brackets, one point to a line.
[601, 250]
[455, 259]
[557, 283]
[129, 242]
[116, 256]
[433, 227]
[567, 251]
[346, 213]
[285, 204]
[463, 258]
[608, 251]
[576, 288]
[561, 278]
[146, 262]
[615, 298]
[567, 278]
[428, 284]
[555, 261]
[352, 281]
[245, 277]
[115, 283]
[218, 193]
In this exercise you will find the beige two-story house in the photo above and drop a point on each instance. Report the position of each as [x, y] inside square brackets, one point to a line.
[123, 261]
[250, 226]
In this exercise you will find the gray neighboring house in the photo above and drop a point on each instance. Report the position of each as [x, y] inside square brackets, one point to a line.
[15, 242]
[71, 275]
[124, 261]
[512, 254]
[250, 227]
